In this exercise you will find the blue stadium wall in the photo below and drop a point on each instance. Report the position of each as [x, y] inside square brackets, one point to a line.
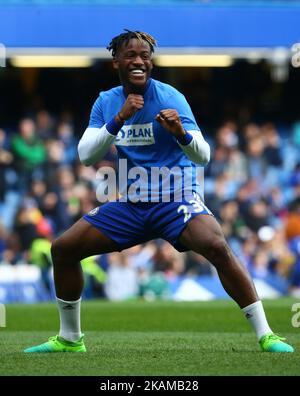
[181, 25]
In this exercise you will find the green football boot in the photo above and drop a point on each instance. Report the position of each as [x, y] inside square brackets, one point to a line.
[58, 344]
[273, 343]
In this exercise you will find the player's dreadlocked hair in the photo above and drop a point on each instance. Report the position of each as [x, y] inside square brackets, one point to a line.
[117, 42]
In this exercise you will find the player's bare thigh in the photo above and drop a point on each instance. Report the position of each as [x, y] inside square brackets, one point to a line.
[82, 240]
[201, 234]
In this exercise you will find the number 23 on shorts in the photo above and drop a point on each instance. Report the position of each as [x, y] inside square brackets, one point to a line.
[194, 207]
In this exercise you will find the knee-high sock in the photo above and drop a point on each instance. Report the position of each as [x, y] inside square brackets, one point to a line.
[256, 315]
[69, 314]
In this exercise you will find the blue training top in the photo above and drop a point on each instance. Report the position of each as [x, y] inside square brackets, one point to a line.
[143, 142]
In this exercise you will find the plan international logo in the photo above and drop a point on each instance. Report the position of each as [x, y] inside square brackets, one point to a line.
[135, 135]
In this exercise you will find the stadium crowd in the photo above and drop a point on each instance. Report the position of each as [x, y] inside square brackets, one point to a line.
[252, 185]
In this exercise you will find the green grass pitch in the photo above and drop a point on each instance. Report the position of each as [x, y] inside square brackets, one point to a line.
[138, 338]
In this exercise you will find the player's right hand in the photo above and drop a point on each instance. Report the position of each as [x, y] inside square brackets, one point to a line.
[132, 104]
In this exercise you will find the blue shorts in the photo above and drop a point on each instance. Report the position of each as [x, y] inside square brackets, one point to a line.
[130, 224]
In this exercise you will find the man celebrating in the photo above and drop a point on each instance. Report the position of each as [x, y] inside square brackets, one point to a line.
[168, 136]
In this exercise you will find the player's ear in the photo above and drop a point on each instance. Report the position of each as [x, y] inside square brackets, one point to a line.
[115, 63]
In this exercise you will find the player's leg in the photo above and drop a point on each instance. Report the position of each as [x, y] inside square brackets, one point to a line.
[80, 241]
[110, 227]
[203, 235]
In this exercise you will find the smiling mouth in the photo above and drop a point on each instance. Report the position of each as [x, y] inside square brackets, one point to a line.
[137, 72]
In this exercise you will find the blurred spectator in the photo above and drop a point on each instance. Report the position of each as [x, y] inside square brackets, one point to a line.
[54, 210]
[218, 165]
[231, 222]
[226, 136]
[25, 226]
[295, 176]
[40, 250]
[237, 166]
[6, 159]
[260, 264]
[65, 134]
[195, 264]
[38, 191]
[122, 279]
[44, 125]
[9, 257]
[30, 154]
[9, 198]
[294, 277]
[272, 152]
[217, 194]
[257, 216]
[251, 130]
[3, 239]
[292, 225]
[277, 203]
[256, 164]
[168, 260]
[282, 257]
[247, 193]
[94, 276]
[248, 249]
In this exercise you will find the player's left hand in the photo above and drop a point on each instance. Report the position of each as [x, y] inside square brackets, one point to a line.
[170, 120]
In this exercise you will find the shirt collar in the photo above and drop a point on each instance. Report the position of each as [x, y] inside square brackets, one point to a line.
[146, 88]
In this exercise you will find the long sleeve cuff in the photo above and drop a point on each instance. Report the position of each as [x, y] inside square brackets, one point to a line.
[185, 139]
[197, 150]
[113, 127]
[94, 144]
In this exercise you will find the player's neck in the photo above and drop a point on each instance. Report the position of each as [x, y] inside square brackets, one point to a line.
[133, 89]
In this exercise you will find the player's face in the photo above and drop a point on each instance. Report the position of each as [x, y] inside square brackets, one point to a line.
[134, 63]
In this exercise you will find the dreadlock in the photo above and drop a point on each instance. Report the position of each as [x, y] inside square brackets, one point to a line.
[117, 42]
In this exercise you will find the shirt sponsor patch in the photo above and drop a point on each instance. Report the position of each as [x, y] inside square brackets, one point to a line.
[135, 135]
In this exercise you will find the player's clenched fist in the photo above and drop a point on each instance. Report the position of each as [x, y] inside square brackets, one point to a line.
[170, 120]
[132, 104]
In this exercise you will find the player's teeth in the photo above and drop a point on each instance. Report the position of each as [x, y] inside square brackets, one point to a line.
[137, 71]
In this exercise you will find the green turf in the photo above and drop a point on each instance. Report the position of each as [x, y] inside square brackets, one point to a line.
[140, 338]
